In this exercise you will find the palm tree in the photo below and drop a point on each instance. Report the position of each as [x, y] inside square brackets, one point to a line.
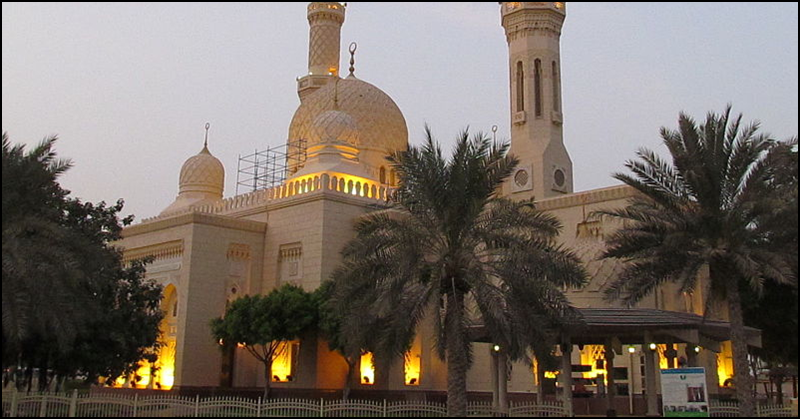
[451, 247]
[40, 272]
[702, 210]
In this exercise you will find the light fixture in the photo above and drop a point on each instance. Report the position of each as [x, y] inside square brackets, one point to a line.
[631, 350]
[496, 348]
[697, 349]
[653, 346]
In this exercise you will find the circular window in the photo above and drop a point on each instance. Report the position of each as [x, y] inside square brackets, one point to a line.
[560, 178]
[521, 178]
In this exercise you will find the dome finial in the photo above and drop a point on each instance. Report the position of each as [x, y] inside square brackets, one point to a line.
[205, 143]
[353, 48]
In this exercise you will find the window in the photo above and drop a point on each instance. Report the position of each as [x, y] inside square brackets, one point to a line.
[556, 89]
[520, 87]
[367, 369]
[383, 175]
[537, 85]
[283, 368]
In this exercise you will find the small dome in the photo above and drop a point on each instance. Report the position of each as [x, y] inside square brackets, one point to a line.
[203, 173]
[334, 127]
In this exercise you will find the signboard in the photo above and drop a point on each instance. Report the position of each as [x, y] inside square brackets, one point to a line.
[685, 392]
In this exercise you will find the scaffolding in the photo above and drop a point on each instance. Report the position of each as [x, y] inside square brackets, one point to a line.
[269, 168]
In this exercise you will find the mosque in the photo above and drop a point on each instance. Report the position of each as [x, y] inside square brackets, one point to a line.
[209, 250]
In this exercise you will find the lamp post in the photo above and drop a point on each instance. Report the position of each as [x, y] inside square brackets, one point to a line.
[631, 351]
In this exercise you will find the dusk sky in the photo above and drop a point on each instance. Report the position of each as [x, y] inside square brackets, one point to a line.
[129, 87]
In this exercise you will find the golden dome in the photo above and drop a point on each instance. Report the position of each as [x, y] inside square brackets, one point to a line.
[203, 173]
[381, 126]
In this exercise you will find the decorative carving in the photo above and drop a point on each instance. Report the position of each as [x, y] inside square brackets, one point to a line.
[167, 250]
[238, 251]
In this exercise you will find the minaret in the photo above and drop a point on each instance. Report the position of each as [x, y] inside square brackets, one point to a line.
[324, 42]
[533, 32]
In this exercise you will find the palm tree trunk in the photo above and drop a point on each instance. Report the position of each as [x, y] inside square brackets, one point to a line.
[742, 377]
[457, 355]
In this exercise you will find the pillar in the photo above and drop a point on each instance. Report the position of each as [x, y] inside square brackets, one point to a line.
[611, 391]
[502, 380]
[566, 375]
[495, 382]
[651, 375]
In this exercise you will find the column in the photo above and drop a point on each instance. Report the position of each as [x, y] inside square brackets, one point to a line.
[539, 382]
[651, 375]
[495, 387]
[502, 378]
[611, 391]
[691, 356]
[566, 375]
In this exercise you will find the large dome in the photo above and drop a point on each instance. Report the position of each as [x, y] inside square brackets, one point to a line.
[381, 126]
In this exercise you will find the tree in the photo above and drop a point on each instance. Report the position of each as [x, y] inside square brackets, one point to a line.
[450, 246]
[705, 209]
[347, 327]
[264, 323]
[37, 275]
[775, 310]
[70, 306]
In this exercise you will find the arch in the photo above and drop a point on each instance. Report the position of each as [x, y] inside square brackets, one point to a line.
[164, 376]
[520, 87]
[382, 175]
[537, 86]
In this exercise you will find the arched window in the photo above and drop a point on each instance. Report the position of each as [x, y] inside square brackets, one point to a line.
[520, 87]
[383, 175]
[393, 178]
[556, 89]
[537, 85]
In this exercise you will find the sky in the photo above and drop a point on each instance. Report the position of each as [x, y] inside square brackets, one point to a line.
[128, 88]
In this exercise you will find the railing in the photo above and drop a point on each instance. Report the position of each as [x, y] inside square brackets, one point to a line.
[344, 185]
[730, 409]
[16, 404]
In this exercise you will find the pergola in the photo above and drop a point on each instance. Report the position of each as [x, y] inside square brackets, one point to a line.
[615, 327]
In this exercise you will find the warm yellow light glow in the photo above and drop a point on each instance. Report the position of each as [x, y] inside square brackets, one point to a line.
[593, 355]
[551, 374]
[413, 366]
[725, 364]
[663, 362]
[349, 184]
[367, 369]
[631, 350]
[161, 374]
[282, 366]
